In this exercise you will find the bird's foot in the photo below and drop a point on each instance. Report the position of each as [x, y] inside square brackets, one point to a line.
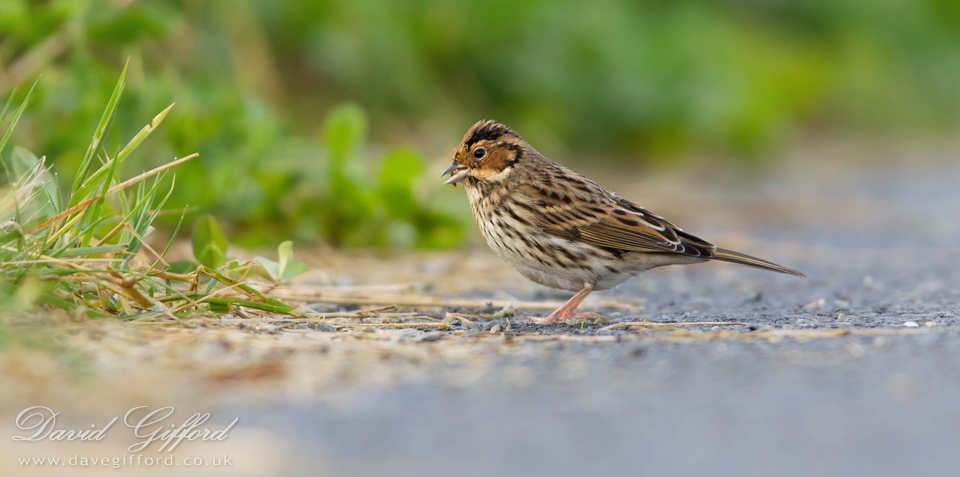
[564, 317]
[565, 312]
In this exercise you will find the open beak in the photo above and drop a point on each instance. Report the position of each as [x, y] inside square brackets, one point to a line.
[458, 172]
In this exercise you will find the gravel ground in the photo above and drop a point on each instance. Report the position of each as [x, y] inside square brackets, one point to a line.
[852, 371]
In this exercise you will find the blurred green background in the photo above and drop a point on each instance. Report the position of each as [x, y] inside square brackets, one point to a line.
[323, 120]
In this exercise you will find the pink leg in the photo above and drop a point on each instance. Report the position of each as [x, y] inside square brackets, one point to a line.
[565, 312]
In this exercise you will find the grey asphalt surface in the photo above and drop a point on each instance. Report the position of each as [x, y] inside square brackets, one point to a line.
[881, 251]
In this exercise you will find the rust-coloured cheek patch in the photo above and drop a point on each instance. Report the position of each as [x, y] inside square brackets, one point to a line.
[498, 158]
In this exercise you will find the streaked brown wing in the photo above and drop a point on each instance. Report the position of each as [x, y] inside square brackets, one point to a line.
[605, 220]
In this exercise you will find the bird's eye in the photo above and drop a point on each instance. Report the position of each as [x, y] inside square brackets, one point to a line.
[479, 152]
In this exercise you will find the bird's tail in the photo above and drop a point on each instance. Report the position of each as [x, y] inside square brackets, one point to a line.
[725, 255]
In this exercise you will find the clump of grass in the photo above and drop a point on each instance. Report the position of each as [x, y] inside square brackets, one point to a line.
[76, 251]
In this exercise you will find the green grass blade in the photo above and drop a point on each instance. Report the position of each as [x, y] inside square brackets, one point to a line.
[97, 206]
[90, 182]
[105, 121]
[13, 123]
[46, 299]
[247, 288]
[6, 106]
[143, 134]
[284, 309]
[172, 237]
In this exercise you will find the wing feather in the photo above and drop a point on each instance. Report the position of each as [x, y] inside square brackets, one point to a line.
[599, 218]
[565, 204]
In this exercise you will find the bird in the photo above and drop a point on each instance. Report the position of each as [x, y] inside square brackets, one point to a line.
[562, 230]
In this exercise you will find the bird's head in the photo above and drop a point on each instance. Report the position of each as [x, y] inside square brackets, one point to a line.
[489, 153]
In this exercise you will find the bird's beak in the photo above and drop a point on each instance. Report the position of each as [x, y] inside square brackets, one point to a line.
[458, 172]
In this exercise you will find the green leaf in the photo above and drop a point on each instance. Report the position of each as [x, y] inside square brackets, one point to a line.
[284, 255]
[287, 268]
[209, 242]
[272, 268]
[294, 268]
[23, 162]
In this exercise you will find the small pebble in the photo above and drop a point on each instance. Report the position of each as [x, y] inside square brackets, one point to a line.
[911, 324]
[320, 326]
